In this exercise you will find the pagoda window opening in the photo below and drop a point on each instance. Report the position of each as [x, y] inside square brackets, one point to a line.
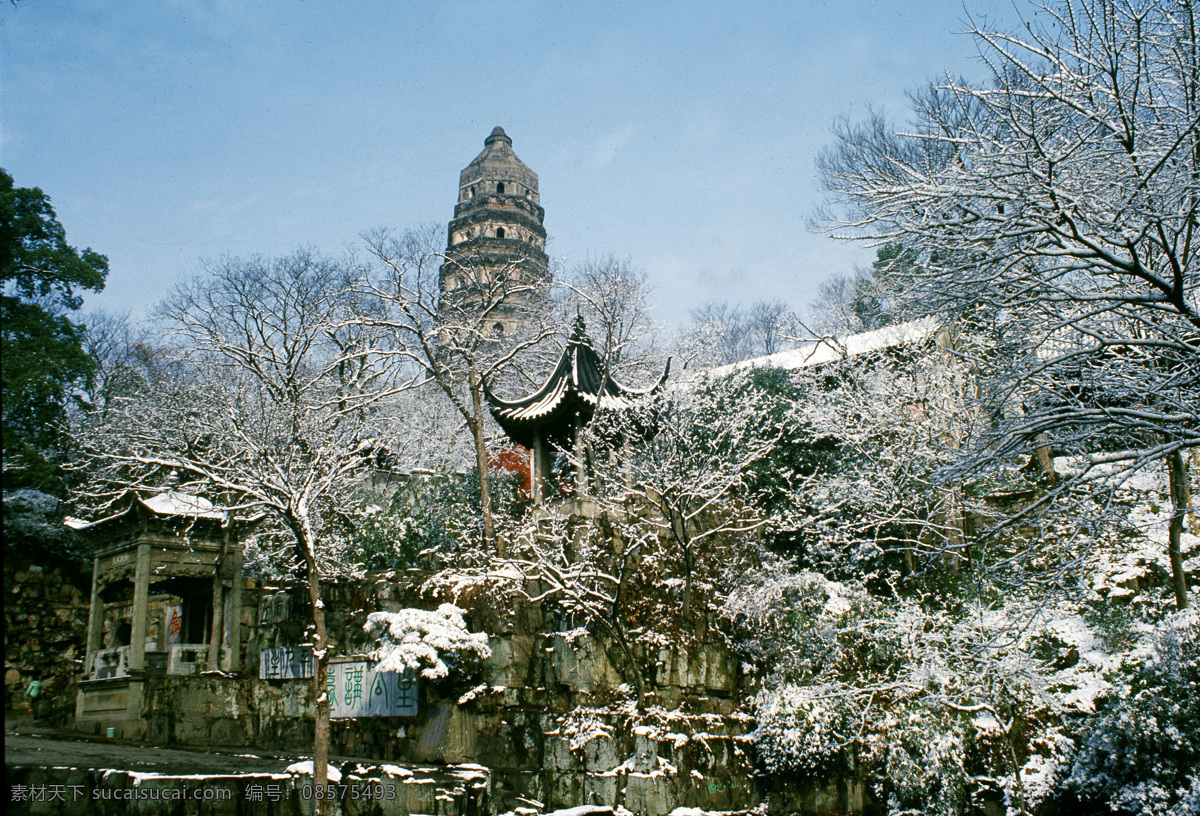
[499, 232]
[500, 188]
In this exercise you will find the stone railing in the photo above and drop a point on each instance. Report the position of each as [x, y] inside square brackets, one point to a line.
[106, 664]
[192, 658]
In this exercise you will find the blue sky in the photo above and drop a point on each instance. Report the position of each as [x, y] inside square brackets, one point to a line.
[680, 135]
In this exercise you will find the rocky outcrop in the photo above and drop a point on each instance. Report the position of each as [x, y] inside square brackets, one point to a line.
[45, 632]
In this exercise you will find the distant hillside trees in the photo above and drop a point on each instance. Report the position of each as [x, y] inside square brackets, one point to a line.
[865, 301]
[721, 333]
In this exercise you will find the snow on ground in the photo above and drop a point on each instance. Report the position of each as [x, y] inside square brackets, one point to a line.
[139, 777]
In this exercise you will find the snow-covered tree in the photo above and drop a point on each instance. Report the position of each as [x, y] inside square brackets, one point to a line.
[669, 510]
[454, 343]
[429, 642]
[721, 333]
[939, 709]
[274, 402]
[129, 358]
[949, 668]
[610, 294]
[1142, 755]
[432, 519]
[1054, 208]
[891, 418]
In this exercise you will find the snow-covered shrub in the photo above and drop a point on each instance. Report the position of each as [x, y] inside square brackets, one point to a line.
[941, 709]
[1141, 755]
[806, 731]
[433, 642]
[33, 527]
[1114, 623]
[925, 767]
[795, 624]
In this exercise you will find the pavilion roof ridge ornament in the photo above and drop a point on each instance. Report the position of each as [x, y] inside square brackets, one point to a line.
[577, 387]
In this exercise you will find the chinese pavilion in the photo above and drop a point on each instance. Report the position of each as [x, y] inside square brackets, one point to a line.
[166, 599]
[553, 415]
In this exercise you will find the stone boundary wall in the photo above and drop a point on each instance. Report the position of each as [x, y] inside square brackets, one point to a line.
[550, 715]
[560, 758]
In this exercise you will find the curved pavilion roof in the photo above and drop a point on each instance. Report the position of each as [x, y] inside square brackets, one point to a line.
[575, 390]
[171, 507]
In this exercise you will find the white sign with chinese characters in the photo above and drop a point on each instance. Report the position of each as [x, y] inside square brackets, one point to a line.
[357, 690]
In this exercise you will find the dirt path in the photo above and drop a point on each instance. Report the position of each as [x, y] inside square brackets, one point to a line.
[27, 744]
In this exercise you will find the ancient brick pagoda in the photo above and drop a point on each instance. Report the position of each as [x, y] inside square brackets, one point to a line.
[496, 234]
[554, 415]
[166, 598]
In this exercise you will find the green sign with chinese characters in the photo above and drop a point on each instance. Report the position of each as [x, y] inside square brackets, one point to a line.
[356, 689]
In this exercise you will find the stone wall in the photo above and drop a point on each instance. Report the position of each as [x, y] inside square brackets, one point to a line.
[45, 635]
[649, 765]
[551, 716]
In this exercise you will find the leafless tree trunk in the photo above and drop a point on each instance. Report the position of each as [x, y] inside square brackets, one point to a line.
[481, 460]
[451, 342]
[1177, 471]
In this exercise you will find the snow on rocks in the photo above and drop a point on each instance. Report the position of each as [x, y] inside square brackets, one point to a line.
[305, 768]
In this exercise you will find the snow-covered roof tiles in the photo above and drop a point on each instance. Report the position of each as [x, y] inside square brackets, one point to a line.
[168, 504]
[817, 352]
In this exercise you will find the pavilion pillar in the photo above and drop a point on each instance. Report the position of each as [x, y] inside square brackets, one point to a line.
[581, 480]
[235, 610]
[141, 597]
[95, 630]
[218, 621]
[539, 470]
